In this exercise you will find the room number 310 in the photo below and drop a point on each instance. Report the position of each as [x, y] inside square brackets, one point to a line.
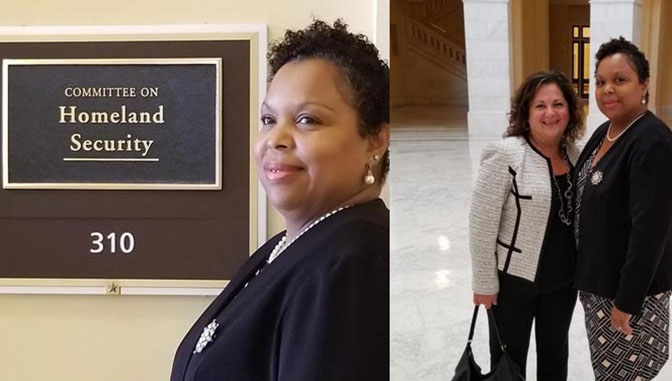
[126, 243]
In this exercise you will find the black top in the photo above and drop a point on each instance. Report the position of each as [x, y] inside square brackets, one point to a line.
[625, 219]
[320, 311]
[558, 261]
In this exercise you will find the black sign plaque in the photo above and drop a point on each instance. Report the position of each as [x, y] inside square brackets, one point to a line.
[73, 213]
[112, 123]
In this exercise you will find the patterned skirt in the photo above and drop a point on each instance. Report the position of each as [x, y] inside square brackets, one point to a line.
[636, 357]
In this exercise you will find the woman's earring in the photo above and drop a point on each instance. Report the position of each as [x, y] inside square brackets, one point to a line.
[369, 179]
[643, 101]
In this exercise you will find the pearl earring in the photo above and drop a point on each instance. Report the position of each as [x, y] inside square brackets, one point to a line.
[369, 179]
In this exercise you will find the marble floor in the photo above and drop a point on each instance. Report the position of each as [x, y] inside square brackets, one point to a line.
[433, 168]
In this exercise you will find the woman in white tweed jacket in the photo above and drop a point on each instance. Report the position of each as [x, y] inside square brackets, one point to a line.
[521, 237]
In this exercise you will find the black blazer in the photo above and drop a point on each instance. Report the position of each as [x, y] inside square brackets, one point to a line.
[320, 311]
[625, 221]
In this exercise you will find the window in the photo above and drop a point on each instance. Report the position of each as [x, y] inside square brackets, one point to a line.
[581, 60]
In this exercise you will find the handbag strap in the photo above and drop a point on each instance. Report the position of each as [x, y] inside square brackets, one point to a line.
[491, 315]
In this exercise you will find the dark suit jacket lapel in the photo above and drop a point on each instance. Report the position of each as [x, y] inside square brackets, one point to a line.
[230, 291]
[589, 147]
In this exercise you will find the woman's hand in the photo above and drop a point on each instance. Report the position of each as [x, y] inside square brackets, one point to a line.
[486, 300]
[621, 321]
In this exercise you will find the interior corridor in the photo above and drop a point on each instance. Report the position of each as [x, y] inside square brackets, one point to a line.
[434, 167]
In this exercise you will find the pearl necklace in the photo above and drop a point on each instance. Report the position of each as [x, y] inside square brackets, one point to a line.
[625, 129]
[208, 334]
[282, 245]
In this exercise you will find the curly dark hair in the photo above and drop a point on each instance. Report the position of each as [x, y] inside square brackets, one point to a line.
[627, 48]
[635, 57]
[366, 77]
[520, 105]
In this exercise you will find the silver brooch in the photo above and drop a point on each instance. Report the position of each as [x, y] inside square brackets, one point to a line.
[596, 178]
[206, 336]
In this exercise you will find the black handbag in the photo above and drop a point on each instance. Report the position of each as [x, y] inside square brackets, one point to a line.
[504, 370]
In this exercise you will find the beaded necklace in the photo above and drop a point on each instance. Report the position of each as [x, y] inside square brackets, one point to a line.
[282, 245]
[610, 139]
[208, 334]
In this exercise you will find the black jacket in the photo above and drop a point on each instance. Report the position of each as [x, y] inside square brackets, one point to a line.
[625, 221]
[320, 311]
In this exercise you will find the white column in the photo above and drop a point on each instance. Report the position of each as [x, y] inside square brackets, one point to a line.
[609, 19]
[381, 32]
[489, 76]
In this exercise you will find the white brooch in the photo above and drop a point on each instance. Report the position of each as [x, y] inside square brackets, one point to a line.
[206, 336]
[596, 178]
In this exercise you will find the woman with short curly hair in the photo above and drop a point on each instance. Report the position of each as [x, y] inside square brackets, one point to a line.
[624, 222]
[313, 302]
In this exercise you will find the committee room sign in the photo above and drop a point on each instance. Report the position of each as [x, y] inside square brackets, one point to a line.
[126, 154]
[111, 123]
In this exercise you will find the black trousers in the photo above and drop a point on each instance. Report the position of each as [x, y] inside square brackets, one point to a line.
[519, 303]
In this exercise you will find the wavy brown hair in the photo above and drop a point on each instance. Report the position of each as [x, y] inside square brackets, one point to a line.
[520, 105]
